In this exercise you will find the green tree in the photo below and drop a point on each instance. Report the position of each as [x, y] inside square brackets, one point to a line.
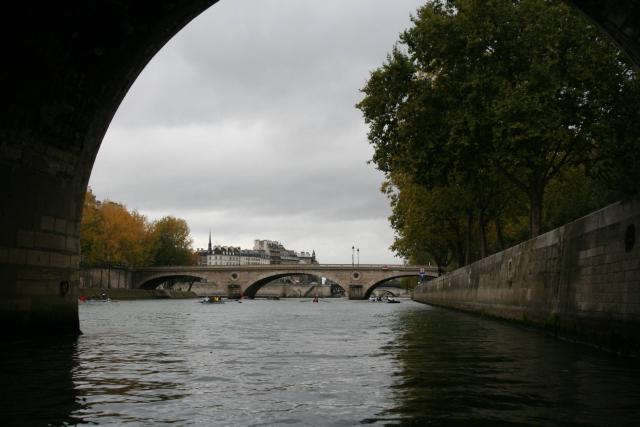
[430, 226]
[171, 242]
[493, 95]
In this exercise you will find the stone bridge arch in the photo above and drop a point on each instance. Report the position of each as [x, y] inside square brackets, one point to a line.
[388, 292]
[71, 63]
[154, 281]
[251, 288]
[372, 287]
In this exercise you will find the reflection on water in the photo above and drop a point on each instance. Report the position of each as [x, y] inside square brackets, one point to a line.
[459, 369]
[254, 363]
[293, 362]
[36, 382]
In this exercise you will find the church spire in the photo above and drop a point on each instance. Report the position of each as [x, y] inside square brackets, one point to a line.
[210, 250]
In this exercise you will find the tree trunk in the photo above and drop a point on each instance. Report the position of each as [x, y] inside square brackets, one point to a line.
[460, 255]
[459, 247]
[499, 234]
[535, 222]
[483, 234]
[467, 254]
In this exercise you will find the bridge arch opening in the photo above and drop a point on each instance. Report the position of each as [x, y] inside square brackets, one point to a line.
[58, 101]
[168, 281]
[387, 280]
[310, 290]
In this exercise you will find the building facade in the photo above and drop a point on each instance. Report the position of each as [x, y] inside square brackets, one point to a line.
[263, 252]
[278, 254]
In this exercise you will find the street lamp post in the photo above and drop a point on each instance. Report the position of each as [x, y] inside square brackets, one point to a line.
[358, 251]
[352, 249]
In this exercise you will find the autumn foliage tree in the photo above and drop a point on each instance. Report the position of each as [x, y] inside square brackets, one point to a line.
[171, 242]
[113, 235]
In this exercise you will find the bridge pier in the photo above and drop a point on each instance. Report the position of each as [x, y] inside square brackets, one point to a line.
[234, 291]
[355, 291]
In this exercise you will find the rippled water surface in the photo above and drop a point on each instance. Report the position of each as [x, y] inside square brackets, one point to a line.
[292, 362]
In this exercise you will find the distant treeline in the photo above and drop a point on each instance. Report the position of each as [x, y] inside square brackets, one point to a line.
[113, 235]
[497, 120]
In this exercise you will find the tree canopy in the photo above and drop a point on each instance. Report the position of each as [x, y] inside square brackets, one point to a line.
[490, 102]
[112, 235]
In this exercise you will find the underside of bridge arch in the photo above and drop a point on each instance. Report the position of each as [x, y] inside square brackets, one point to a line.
[169, 281]
[373, 287]
[388, 292]
[254, 287]
[67, 67]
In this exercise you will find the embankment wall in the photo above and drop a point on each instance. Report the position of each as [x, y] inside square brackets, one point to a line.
[280, 290]
[135, 294]
[582, 280]
[105, 278]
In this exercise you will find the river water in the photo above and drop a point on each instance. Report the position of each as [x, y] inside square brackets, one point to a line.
[293, 362]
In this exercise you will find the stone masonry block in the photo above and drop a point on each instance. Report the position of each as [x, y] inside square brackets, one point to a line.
[4, 255]
[72, 229]
[17, 256]
[617, 277]
[632, 276]
[73, 244]
[61, 225]
[40, 258]
[34, 287]
[48, 223]
[59, 260]
[25, 238]
[631, 264]
[50, 241]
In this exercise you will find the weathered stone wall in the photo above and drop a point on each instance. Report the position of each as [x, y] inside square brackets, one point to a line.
[105, 278]
[270, 290]
[285, 290]
[134, 294]
[582, 280]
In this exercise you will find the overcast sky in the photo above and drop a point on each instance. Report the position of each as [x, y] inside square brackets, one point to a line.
[244, 123]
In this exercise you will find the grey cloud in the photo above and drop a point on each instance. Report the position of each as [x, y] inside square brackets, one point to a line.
[246, 122]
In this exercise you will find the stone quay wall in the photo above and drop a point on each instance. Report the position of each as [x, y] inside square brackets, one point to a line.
[280, 290]
[581, 281]
[105, 278]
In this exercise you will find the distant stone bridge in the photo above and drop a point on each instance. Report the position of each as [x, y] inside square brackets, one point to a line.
[245, 280]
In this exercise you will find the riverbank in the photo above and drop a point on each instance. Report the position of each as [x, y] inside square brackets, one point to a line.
[581, 281]
[135, 294]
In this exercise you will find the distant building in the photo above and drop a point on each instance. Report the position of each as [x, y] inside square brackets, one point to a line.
[278, 254]
[253, 257]
[289, 257]
[230, 255]
[272, 248]
[307, 258]
[221, 255]
[263, 252]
